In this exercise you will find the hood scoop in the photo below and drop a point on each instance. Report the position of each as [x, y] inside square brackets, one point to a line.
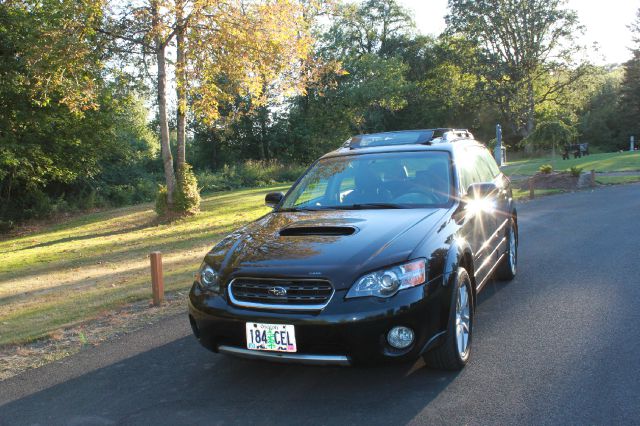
[331, 231]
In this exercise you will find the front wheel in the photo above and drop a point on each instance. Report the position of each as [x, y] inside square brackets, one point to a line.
[508, 265]
[454, 352]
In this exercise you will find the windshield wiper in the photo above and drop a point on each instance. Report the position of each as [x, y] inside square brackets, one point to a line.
[365, 206]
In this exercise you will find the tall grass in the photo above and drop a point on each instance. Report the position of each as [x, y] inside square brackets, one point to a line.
[251, 173]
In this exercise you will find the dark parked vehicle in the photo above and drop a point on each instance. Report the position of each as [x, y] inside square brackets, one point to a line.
[376, 253]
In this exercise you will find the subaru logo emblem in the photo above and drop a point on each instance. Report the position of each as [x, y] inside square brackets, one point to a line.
[278, 291]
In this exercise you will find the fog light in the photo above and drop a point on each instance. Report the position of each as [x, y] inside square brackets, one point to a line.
[400, 337]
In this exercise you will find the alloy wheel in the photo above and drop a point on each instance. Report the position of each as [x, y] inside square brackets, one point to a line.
[513, 253]
[463, 321]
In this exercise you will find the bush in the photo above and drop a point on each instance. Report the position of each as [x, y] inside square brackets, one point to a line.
[575, 171]
[546, 169]
[186, 196]
[251, 173]
[6, 226]
[161, 201]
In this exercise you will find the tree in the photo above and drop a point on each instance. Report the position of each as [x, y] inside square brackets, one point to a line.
[551, 134]
[368, 28]
[522, 45]
[600, 119]
[50, 84]
[630, 87]
[224, 50]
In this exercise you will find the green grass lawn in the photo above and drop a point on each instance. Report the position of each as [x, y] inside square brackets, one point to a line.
[521, 194]
[616, 180]
[76, 270]
[610, 162]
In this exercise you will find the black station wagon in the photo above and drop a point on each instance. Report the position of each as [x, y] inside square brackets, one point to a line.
[376, 253]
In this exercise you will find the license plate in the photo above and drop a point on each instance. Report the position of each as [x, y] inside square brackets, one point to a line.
[271, 337]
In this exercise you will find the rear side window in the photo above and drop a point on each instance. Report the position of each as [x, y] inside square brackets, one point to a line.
[475, 165]
[487, 164]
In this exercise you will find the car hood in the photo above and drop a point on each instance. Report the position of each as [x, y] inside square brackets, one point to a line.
[323, 244]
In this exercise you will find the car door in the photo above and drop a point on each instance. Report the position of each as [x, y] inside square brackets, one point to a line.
[479, 226]
[502, 201]
[495, 218]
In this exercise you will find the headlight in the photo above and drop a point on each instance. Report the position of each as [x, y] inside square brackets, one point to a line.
[208, 278]
[387, 282]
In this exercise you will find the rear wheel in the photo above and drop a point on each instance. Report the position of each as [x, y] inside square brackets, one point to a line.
[454, 353]
[508, 265]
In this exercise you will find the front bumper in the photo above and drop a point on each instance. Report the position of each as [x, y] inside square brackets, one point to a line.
[309, 359]
[346, 331]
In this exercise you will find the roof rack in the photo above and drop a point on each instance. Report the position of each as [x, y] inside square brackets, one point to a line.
[452, 135]
[408, 137]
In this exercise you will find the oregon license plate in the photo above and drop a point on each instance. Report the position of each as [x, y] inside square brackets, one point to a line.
[271, 337]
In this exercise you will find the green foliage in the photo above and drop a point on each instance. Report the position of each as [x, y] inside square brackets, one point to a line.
[545, 169]
[551, 134]
[575, 171]
[600, 119]
[186, 198]
[630, 89]
[6, 226]
[525, 53]
[251, 173]
[161, 207]
[70, 138]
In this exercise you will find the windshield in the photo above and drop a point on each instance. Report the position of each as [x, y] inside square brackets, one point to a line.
[386, 180]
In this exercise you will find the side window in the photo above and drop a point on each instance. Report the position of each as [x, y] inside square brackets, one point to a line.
[466, 162]
[486, 165]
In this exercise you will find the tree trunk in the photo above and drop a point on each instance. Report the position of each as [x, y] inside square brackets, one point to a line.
[263, 133]
[181, 84]
[531, 108]
[167, 158]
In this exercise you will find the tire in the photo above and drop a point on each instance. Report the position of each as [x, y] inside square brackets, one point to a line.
[449, 355]
[507, 269]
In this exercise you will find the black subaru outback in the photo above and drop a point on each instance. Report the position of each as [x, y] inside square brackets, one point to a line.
[376, 253]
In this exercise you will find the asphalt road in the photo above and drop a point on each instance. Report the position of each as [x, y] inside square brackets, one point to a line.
[559, 344]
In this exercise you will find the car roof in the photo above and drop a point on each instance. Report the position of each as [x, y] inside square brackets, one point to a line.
[435, 144]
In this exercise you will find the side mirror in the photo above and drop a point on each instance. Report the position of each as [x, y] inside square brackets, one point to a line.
[479, 199]
[272, 199]
[479, 191]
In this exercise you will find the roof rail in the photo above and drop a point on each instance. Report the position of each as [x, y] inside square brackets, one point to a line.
[407, 137]
[451, 135]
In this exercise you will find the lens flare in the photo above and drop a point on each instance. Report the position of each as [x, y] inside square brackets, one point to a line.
[481, 205]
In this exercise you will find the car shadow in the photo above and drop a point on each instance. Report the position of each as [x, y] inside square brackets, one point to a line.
[182, 383]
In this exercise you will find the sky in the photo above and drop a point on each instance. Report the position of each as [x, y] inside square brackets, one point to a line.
[605, 23]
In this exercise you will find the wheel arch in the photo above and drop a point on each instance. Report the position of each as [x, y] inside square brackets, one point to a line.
[460, 255]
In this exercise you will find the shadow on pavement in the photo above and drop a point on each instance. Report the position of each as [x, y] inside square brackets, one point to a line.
[182, 383]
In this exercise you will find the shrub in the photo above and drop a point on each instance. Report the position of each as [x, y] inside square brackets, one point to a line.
[546, 169]
[37, 205]
[6, 226]
[248, 174]
[161, 201]
[186, 198]
[575, 171]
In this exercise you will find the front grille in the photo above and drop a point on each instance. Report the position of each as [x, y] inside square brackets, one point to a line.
[280, 294]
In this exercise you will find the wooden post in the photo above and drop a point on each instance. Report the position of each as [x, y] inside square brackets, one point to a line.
[157, 282]
[531, 188]
[593, 178]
